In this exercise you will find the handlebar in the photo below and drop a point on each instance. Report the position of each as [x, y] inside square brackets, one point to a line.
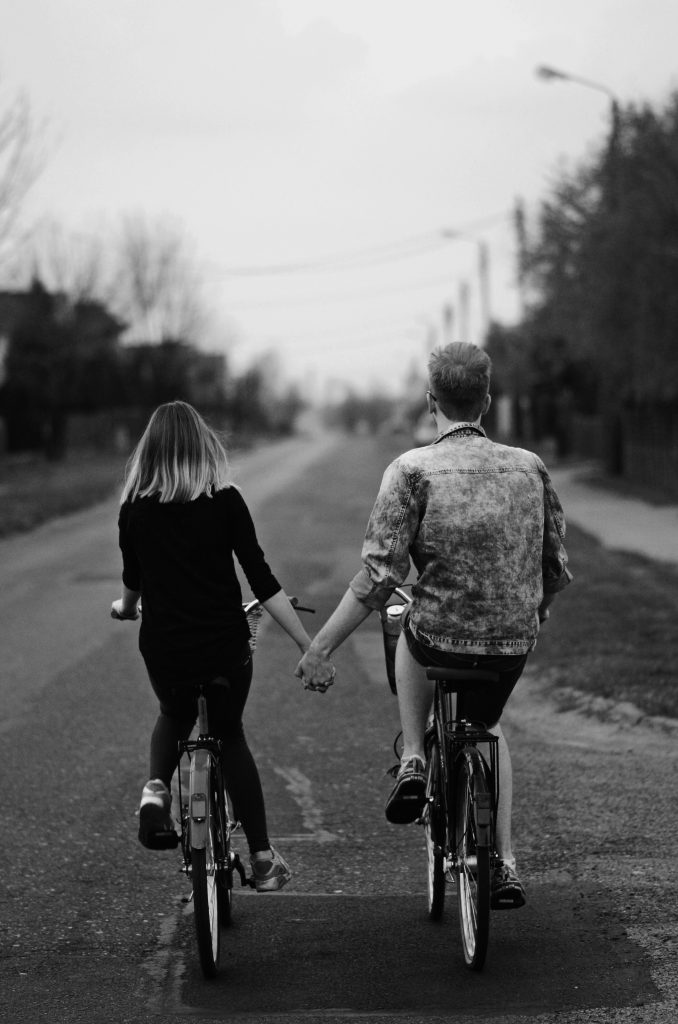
[248, 606]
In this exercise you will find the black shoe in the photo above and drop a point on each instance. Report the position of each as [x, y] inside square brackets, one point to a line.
[408, 796]
[507, 889]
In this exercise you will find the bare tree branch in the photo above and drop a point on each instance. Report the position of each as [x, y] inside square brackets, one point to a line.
[20, 165]
[157, 285]
[68, 262]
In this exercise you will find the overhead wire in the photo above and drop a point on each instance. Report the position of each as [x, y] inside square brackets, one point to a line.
[356, 260]
[361, 293]
[387, 252]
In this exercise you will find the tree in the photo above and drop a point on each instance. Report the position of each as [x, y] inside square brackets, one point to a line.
[62, 357]
[19, 165]
[603, 263]
[68, 263]
[157, 285]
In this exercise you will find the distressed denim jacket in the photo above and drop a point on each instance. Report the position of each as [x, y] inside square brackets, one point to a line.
[484, 528]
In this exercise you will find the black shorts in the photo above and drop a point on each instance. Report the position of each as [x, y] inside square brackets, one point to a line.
[487, 704]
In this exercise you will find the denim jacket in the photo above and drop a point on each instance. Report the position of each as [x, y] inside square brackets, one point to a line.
[484, 529]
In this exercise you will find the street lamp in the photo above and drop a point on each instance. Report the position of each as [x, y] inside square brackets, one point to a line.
[549, 74]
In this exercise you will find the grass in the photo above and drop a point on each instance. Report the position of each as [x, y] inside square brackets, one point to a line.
[614, 632]
[33, 491]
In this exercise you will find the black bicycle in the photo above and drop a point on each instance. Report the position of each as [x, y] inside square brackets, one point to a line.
[207, 827]
[462, 794]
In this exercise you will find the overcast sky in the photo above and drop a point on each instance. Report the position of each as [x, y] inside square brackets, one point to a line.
[331, 142]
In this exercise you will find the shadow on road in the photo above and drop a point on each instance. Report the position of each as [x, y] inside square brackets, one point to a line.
[381, 955]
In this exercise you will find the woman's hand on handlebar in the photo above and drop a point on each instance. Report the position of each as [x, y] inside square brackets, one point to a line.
[122, 613]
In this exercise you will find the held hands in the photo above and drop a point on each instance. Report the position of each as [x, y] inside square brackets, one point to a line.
[316, 671]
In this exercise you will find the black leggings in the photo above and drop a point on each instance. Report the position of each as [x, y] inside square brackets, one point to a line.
[226, 697]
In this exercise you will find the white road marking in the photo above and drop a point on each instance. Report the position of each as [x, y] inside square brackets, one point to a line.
[301, 790]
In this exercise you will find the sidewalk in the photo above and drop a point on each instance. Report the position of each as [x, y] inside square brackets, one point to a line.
[626, 524]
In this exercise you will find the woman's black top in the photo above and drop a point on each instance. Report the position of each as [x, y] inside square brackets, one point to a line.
[179, 555]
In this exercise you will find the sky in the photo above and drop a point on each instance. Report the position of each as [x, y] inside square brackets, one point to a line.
[339, 166]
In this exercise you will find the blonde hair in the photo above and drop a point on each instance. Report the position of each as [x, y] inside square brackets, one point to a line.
[178, 457]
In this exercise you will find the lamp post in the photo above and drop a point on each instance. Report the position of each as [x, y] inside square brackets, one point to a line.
[611, 417]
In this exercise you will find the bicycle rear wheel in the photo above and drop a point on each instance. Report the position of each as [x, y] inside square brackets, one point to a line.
[434, 828]
[208, 905]
[472, 855]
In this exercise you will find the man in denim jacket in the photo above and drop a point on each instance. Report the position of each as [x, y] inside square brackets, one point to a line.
[484, 529]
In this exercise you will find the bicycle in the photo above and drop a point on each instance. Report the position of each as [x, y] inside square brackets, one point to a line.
[462, 794]
[206, 827]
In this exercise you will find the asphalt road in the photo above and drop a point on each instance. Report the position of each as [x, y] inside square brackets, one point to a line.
[93, 927]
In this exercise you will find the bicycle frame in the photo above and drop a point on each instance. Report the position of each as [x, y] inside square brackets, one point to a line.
[206, 826]
[462, 796]
[204, 755]
[454, 736]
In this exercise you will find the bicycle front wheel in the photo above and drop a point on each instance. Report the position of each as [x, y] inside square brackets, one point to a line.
[472, 855]
[207, 903]
[434, 829]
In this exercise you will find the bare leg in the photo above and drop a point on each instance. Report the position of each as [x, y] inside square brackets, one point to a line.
[415, 697]
[503, 837]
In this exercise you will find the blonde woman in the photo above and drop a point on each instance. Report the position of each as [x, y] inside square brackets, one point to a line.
[181, 524]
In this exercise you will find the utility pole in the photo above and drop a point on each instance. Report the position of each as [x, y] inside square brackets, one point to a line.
[484, 278]
[464, 309]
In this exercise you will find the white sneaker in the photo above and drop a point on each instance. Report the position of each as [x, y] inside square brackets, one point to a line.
[156, 827]
[270, 874]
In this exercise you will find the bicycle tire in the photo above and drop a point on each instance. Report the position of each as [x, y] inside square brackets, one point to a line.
[434, 829]
[207, 904]
[472, 855]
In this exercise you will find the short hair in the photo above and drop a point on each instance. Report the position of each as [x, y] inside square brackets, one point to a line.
[178, 457]
[459, 377]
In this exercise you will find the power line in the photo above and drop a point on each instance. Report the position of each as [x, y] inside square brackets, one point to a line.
[344, 261]
[406, 248]
[437, 282]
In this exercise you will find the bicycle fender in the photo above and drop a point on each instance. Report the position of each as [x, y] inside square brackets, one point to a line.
[199, 799]
[483, 813]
